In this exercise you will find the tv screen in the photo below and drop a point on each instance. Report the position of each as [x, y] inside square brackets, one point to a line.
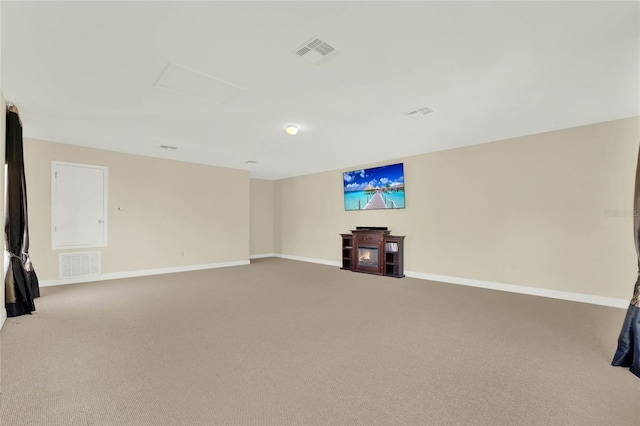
[375, 188]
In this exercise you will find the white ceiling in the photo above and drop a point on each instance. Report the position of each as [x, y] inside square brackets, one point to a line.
[85, 73]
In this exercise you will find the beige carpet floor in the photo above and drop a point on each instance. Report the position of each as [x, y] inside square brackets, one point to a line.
[280, 342]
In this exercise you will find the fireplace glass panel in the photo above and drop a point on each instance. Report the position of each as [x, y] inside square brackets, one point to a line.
[368, 256]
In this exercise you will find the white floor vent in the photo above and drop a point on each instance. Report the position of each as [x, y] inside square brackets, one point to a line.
[80, 264]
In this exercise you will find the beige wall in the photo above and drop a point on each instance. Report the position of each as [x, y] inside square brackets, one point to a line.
[261, 217]
[527, 211]
[168, 207]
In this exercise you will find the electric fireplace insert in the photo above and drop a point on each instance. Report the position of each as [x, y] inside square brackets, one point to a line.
[367, 257]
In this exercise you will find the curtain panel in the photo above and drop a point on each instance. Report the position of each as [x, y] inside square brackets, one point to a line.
[21, 281]
[628, 352]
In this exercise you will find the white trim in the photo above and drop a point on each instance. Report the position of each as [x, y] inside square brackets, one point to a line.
[142, 273]
[532, 291]
[3, 316]
[309, 259]
[263, 255]
[512, 288]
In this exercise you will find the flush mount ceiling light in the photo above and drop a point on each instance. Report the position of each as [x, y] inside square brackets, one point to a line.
[291, 129]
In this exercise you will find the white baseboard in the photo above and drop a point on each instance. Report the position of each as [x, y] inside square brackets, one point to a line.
[141, 273]
[263, 255]
[532, 291]
[512, 288]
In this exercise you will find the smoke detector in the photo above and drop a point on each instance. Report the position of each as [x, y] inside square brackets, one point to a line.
[315, 50]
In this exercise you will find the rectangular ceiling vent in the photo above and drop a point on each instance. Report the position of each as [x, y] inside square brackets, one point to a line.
[420, 112]
[315, 50]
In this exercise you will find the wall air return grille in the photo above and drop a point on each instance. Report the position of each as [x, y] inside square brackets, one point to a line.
[315, 50]
[80, 264]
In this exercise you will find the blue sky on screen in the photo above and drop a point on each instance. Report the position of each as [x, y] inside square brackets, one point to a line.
[357, 180]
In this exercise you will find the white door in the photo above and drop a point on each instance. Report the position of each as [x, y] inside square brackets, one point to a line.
[79, 205]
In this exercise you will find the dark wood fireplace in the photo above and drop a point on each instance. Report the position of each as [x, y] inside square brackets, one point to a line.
[373, 251]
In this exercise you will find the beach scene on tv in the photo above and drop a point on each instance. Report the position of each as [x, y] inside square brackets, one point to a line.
[375, 188]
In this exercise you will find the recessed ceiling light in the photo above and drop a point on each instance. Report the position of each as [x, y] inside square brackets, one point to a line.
[291, 129]
[168, 147]
[249, 162]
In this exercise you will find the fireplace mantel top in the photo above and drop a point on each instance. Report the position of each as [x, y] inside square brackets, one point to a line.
[370, 231]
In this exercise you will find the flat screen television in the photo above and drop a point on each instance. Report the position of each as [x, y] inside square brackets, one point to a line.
[375, 188]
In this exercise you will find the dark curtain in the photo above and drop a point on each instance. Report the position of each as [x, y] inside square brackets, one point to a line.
[21, 282]
[628, 353]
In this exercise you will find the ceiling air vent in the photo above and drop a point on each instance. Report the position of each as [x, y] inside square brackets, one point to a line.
[168, 147]
[315, 50]
[420, 112]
